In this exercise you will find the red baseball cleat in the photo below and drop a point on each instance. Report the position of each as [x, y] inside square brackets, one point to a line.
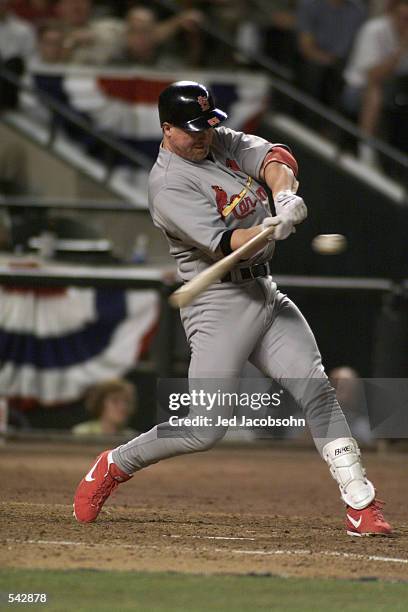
[368, 521]
[93, 490]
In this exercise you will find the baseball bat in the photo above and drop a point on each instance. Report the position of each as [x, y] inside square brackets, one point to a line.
[186, 294]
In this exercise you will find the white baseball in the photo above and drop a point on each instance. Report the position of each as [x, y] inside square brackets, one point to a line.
[329, 244]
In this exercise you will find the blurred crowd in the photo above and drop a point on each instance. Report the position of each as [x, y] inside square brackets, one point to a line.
[351, 55]
[110, 404]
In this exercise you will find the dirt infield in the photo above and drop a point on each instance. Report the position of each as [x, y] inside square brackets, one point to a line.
[250, 509]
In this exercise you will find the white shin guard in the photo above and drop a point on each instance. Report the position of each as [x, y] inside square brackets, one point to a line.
[343, 458]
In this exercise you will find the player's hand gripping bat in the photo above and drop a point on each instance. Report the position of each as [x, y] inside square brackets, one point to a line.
[185, 294]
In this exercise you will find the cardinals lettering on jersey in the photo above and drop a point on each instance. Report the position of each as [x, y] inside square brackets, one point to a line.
[239, 205]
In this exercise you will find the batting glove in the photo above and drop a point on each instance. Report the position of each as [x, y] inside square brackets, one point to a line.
[283, 227]
[288, 203]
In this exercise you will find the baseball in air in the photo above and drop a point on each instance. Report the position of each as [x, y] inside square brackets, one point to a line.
[329, 244]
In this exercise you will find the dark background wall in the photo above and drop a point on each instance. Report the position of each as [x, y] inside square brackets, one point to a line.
[375, 226]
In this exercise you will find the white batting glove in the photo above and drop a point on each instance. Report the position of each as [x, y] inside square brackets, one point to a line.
[288, 203]
[283, 227]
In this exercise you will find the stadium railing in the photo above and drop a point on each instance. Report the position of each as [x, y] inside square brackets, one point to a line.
[62, 114]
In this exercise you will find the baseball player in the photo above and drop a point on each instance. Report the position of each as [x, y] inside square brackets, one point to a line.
[207, 194]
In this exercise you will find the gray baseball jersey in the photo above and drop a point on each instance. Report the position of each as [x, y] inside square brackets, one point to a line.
[194, 203]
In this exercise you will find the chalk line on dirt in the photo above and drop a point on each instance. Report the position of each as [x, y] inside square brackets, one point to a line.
[326, 553]
[277, 552]
[201, 537]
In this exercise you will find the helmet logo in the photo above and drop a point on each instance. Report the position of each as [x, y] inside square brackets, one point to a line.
[213, 121]
[203, 102]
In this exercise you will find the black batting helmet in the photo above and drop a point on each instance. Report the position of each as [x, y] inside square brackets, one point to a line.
[190, 106]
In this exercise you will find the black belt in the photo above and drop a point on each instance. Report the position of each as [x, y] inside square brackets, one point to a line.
[242, 274]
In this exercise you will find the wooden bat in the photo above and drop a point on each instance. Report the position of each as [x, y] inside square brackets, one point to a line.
[186, 294]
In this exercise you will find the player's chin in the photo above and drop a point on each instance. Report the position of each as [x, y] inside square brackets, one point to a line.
[199, 153]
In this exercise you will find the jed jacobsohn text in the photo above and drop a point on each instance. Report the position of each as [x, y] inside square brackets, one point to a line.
[235, 421]
[201, 398]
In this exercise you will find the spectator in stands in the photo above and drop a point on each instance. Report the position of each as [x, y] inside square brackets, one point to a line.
[74, 14]
[148, 42]
[140, 42]
[34, 11]
[326, 30]
[50, 48]
[377, 76]
[17, 38]
[88, 40]
[350, 395]
[187, 23]
[277, 19]
[145, 38]
[233, 20]
[17, 43]
[376, 8]
[111, 403]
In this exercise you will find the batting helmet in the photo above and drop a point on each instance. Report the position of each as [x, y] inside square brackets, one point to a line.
[190, 106]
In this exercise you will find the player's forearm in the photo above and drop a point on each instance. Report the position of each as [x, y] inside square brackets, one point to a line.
[240, 237]
[279, 177]
[283, 228]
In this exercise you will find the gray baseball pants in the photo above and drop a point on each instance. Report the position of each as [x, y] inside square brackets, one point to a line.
[226, 326]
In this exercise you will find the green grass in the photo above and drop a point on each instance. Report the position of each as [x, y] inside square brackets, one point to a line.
[86, 591]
